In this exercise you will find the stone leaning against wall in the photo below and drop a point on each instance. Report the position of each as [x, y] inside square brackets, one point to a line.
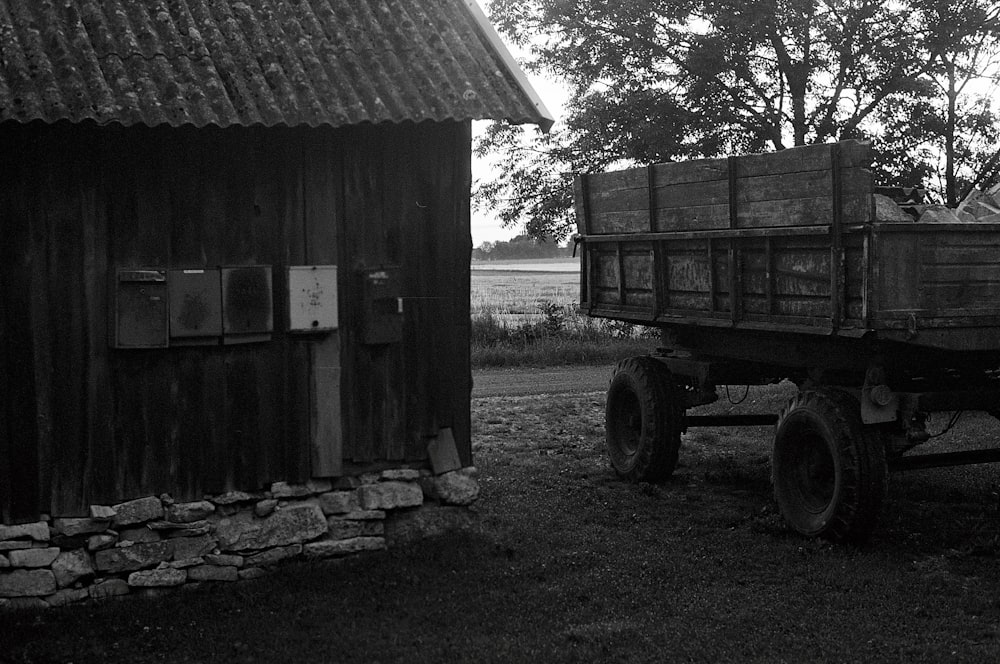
[154, 543]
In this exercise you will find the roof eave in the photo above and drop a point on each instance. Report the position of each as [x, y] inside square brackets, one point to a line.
[545, 119]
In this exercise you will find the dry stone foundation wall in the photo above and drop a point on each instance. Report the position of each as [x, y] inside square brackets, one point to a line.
[157, 543]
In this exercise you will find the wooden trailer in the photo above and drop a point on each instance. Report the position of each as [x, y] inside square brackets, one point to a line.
[779, 266]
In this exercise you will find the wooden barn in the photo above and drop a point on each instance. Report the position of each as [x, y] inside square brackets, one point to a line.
[235, 246]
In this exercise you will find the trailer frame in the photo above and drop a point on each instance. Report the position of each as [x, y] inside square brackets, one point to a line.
[766, 268]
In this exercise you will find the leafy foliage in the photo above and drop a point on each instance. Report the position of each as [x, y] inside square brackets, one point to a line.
[661, 80]
[522, 246]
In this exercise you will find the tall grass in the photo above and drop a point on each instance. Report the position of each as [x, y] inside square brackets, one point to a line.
[552, 334]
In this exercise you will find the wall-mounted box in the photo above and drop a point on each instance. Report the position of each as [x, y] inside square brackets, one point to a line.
[195, 307]
[141, 309]
[312, 298]
[381, 305]
[247, 314]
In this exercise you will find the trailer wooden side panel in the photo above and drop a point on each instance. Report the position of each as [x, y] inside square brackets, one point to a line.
[938, 275]
[790, 188]
[785, 277]
[783, 242]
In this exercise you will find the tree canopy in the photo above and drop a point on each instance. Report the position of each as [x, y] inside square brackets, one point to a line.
[662, 80]
[522, 246]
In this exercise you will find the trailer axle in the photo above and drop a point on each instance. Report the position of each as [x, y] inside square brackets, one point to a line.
[749, 420]
[965, 458]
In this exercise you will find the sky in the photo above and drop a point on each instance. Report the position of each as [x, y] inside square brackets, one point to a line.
[485, 227]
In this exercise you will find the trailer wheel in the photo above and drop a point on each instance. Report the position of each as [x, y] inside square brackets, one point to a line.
[829, 472]
[643, 420]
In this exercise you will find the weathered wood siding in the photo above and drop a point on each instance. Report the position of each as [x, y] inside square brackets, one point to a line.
[789, 188]
[781, 279]
[783, 242]
[942, 275]
[406, 204]
[750, 240]
[85, 423]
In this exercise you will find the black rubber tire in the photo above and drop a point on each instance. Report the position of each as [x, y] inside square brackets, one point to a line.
[829, 472]
[643, 420]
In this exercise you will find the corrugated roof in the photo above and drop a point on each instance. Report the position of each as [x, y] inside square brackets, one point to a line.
[270, 62]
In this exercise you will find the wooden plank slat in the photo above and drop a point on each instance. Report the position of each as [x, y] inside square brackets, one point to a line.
[326, 433]
[693, 171]
[621, 180]
[805, 158]
[960, 273]
[20, 490]
[836, 240]
[787, 188]
[620, 264]
[619, 221]
[617, 200]
[769, 273]
[953, 232]
[948, 254]
[964, 295]
[318, 236]
[712, 277]
[581, 201]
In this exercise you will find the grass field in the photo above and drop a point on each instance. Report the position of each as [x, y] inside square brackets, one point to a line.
[521, 293]
[522, 317]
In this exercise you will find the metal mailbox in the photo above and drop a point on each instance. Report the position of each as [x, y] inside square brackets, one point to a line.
[247, 314]
[381, 305]
[195, 307]
[141, 309]
[312, 298]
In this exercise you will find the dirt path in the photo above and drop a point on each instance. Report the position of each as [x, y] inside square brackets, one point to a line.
[551, 380]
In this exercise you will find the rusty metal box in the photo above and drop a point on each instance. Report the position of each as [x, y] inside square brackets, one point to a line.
[381, 305]
[141, 309]
[195, 306]
[312, 298]
[247, 312]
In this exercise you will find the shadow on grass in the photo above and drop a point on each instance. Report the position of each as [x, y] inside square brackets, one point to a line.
[569, 564]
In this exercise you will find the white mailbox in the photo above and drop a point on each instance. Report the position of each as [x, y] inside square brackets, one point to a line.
[312, 298]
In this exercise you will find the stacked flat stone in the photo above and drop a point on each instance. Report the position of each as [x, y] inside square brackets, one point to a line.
[154, 543]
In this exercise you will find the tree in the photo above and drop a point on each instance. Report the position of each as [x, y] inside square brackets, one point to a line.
[965, 47]
[521, 246]
[660, 80]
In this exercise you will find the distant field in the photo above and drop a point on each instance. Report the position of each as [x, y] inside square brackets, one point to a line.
[531, 265]
[502, 292]
[526, 316]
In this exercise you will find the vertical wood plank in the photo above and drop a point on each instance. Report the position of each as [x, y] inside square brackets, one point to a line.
[769, 273]
[19, 467]
[399, 197]
[457, 348]
[712, 286]
[421, 265]
[71, 292]
[651, 198]
[323, 222]
[374, 411]
[836, 240]
[733, 251]
[620, 260]
[581, 195]
[326, 436]
[654, 250]
[867, 276]
[98, 431]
